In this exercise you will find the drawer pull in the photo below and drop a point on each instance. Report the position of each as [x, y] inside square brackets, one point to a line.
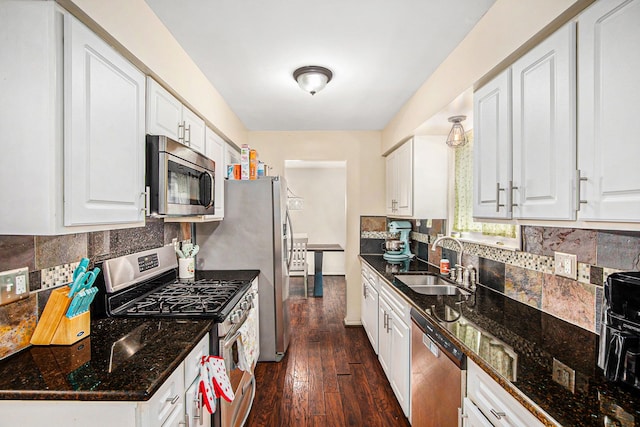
[498, 415]
[173, 399]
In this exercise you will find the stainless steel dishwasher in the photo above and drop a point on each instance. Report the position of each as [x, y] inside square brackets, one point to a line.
[437, 367]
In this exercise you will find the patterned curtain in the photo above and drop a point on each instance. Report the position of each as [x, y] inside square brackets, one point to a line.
[463, 215]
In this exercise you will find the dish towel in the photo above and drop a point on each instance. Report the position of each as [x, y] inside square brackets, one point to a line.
[214, 382]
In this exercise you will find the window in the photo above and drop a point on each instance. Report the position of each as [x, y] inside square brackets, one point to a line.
[504, 235]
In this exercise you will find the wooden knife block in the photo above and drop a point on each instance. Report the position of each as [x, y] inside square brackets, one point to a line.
[55, 327]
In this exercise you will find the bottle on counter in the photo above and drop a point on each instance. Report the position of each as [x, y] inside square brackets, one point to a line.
[444, 266]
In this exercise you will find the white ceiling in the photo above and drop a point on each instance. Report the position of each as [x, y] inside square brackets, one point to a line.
[380, 51]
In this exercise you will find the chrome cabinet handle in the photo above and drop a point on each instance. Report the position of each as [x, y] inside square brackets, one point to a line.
[187, 129]
[511, 188]
[498, 415]
[181, 126]
[173, 399]
[579, 179]
[498, 190]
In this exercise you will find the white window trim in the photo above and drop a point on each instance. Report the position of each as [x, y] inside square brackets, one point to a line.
[506, 243]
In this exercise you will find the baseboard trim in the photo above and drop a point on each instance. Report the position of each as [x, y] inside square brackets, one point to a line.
[351, 323]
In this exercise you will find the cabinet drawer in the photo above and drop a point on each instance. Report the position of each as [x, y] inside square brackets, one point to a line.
[496, 403]
[399, 305]
[192, 361]
[168, 399]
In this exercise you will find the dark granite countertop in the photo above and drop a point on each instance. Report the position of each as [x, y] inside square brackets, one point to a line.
[516, 344]
[124, 359]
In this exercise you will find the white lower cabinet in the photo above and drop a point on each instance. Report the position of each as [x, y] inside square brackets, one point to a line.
[170, 406]
[167, 404]
[488, 404]
[369, 307]
[394, 343]
[473, 417]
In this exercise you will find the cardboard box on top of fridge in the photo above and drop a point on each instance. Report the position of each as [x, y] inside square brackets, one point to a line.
[244, 161]
[253, 164]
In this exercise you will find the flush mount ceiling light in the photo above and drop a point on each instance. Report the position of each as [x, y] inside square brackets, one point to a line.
[456, 137]
[312, 78]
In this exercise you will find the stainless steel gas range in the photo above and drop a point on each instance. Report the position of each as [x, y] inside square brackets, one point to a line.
[145, 284]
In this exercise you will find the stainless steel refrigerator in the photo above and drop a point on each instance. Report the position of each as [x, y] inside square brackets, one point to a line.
[255, 234]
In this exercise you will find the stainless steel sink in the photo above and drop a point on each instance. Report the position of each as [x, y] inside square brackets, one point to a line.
[430, 285]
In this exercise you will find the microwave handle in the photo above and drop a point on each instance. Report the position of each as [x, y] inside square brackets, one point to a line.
[213, 183]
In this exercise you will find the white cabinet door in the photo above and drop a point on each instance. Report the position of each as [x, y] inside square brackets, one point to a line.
[384, 335]
[164, 112]
[492, 148]
[400, 365]
[609, 90]
[369, 315]
[544, 135]
[472, 416]
[194, 130]
[214, 149]
[197, 415]
[104, 132]
[494, 402]
[405, 179]
[392, 179]
[167, 403]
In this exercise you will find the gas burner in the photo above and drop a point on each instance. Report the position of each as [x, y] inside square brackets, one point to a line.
[200, 298]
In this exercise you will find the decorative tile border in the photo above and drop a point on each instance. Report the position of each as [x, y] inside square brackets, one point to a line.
[58, 275]
[540, 263]
[377, 235]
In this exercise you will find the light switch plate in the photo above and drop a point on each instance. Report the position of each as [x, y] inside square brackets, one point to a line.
[14, 285]
[566, 265]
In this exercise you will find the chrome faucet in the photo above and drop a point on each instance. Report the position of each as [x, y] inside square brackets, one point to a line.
[441, 238]
[465, 276]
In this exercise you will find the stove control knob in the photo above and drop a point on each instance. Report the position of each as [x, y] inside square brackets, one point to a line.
[244, 305]
[250, 297]
[235, 316]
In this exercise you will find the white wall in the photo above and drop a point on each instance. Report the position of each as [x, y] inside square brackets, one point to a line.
[365, 183]
[323, 187]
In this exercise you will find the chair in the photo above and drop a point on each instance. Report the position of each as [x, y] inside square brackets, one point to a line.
[299, 257]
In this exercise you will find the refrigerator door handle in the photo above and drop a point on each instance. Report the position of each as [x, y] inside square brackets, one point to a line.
[289, 239]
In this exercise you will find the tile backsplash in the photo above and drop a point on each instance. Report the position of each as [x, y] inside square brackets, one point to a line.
[527, 275]
[52, 259]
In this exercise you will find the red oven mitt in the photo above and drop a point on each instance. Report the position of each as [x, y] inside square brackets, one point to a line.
[213, 372]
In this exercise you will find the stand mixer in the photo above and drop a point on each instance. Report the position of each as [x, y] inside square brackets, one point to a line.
[404, 253]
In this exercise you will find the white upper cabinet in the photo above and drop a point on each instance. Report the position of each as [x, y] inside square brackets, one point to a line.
[75, 159]
[104, 132]
[492, 188]
[417, 178]
[544, 136]
[167, 116]
[609, 91]
[215, 150]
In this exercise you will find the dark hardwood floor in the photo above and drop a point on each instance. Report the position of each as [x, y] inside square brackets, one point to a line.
[330, 375]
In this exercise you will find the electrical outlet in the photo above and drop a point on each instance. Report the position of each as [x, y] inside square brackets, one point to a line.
[14, 285]
[566, 265]
[564, 375]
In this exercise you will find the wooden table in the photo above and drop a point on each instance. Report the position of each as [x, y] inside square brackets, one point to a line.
[318, 249]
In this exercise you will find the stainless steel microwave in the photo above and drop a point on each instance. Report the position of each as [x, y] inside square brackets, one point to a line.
[179, 180]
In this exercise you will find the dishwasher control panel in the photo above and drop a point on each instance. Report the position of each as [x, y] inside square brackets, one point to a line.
[438, 337]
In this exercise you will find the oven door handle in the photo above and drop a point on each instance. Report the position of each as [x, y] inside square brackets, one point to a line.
[229, 342]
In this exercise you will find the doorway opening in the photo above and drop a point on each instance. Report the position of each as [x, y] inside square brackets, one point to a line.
[321, 209]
